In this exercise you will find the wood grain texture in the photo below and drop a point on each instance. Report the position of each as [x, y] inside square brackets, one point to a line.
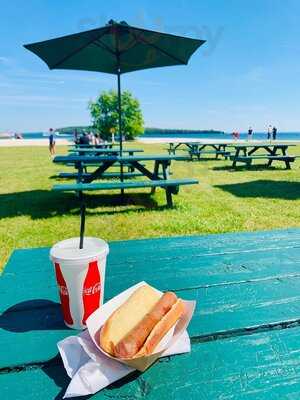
[263, 366]
[220, 311]
[246, 286]
[124, 185]
[183, 262]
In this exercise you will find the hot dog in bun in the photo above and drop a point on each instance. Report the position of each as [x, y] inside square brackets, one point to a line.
[138, 325]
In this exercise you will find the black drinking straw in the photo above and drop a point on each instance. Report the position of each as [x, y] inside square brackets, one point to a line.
[82, 219]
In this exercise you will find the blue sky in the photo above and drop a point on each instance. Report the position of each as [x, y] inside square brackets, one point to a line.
[247, 72]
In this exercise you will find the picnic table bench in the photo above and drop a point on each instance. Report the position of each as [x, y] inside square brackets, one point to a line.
[196, 149]
[159, 177]
[274, 152]
[99, 151]
[244, 334]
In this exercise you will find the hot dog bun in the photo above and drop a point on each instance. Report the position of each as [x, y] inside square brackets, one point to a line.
[127, 316]
[139, 324]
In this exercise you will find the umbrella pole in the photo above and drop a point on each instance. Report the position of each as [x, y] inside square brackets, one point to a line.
[120, 131]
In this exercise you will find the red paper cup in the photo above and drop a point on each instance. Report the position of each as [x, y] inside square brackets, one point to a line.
[80, 276]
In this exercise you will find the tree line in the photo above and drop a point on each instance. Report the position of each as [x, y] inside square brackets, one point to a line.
[104, 119]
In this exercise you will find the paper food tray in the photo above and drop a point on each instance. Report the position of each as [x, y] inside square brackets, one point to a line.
[97, 319]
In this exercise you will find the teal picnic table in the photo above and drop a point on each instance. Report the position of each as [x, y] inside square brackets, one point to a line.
[273, 151]
[245, 333]
[109, 151]
[104, 162]
[95, 150]
[158, 177]
[197, 149]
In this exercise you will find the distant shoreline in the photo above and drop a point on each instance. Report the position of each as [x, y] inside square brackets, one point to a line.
[65, 142]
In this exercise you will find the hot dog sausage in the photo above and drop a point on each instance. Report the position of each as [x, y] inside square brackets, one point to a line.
[135, 339]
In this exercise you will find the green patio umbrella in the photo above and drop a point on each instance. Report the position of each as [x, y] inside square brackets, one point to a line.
[116, 48]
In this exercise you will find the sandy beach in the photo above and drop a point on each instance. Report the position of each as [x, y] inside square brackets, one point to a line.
[31, 142]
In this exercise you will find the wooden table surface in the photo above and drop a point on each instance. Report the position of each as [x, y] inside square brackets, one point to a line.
[95, 150]
[245, 332]
[88, 159]
[173, 146]
[102, 144]
[262, 144]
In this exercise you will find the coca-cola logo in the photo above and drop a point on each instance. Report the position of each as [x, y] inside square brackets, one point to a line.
[63, 290]
[92, 289]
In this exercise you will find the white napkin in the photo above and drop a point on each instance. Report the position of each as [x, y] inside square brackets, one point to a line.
[91, 371]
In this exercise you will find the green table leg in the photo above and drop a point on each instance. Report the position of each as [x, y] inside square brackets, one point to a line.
[155, 173]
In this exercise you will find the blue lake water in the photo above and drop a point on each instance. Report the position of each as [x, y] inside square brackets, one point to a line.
[192, 135]
[42, 135]
[226, 136]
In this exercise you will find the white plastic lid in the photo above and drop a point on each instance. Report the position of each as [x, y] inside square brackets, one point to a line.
[68, 250]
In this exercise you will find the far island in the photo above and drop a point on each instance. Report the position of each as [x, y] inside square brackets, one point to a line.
[148, 132]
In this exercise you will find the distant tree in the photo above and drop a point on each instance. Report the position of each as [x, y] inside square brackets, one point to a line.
[104, 113]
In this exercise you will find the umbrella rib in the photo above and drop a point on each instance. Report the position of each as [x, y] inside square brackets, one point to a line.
[76, 51]
[99, 43]
[157, 48]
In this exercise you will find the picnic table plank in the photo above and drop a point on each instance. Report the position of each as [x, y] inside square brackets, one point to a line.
[227, 270]
[261, 366]
[205, 245]
[197, 149]
[31, 336]
[221, 310]
[35, 284]
[171, 186]
[160, 162]
[104, 151]
[95, 159]
[106, 175]
[177, 246]
[244, 281]
[258, 258]
[262, 144]
[271, 154]
[202, 271]
[173, 146]
[125, 185]
[222, 306]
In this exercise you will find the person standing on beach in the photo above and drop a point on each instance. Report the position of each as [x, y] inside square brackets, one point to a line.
[51, 142]
[274, 132]
[269, 132]
[250, 133]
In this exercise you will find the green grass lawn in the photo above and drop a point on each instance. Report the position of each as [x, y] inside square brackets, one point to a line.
[31, 215]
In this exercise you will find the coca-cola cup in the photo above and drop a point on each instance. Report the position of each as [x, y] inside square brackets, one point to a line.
[80, 276]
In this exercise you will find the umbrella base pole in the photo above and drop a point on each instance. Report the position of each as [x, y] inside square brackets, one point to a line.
[122, 180]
